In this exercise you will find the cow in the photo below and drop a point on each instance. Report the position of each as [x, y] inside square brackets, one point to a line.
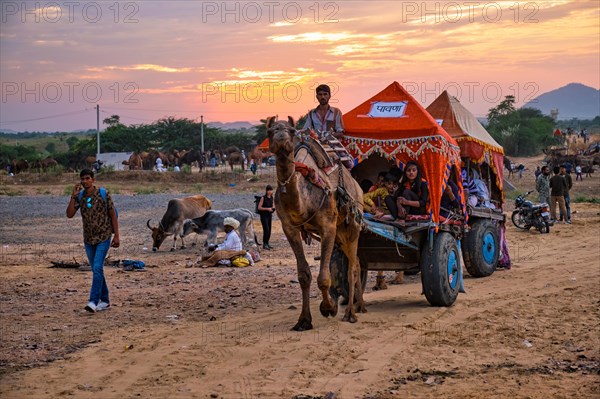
[172, 221]
[212, 222]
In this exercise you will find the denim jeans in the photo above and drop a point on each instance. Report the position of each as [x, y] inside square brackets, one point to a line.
[96, 254]
[568, 206]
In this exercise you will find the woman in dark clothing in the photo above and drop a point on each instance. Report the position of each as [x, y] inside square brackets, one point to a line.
[265, 210]
[449, 200]
[412, 195]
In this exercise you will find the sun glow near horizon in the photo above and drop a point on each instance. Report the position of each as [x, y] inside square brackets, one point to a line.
[233, 69]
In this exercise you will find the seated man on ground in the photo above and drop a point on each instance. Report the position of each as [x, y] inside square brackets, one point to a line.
[229, 250]
[412, 196]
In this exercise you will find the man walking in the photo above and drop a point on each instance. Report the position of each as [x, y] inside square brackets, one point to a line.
[99, 224]
[569, 184]
[557, 193]
[542, 185]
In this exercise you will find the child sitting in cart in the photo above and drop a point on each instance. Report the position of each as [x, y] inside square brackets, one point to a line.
[412, 195]
[374, 200]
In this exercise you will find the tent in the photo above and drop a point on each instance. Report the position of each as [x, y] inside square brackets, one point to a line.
[474, 141]
[264, 145]
[394, 125]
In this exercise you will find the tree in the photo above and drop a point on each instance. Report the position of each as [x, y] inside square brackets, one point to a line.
[521, 132]
[71, 141]
[51, 148]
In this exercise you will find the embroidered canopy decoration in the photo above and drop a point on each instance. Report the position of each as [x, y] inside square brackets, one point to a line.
[474, 141]
[413, 136]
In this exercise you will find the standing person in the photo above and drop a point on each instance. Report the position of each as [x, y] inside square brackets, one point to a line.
[542, 185]
[537, 172]
[578, 175]
[266, 207]
[520, 169]
[99, 224]
[557, 193]
[325, 118]
[569, 184]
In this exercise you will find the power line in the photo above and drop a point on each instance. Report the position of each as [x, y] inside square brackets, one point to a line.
[45, 117]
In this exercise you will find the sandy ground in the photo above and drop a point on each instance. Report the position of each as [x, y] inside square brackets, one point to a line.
[178, 332]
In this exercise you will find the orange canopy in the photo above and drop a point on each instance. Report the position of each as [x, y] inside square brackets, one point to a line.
[264, 145]
[393, 124]
[474, 141]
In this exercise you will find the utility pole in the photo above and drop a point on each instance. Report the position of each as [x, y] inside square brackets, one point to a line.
[202, 133]
[97, 132]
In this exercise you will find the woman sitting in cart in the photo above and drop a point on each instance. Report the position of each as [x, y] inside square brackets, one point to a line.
[412, 195]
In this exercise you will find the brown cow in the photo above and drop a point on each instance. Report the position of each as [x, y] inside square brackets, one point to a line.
[172, 221]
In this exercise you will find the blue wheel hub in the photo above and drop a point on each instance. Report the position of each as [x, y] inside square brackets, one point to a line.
[453, 269]
[489, 247]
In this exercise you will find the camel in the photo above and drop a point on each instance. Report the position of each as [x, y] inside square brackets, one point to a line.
[258, 155]
[307, 209]
[236, 158]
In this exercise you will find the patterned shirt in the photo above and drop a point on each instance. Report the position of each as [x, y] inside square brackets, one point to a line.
[332, 121]
[97, 225]
[542, 185]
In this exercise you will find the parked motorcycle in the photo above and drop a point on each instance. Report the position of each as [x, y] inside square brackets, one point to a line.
[527, 215]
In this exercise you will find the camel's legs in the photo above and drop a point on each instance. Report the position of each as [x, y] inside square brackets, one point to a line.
[327, 307]
[304, 276]
[350, 249]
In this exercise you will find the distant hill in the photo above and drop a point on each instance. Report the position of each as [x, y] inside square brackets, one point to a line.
[231, 125]
[574, 100]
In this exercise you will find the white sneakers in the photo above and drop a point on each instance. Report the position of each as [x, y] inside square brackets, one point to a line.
[92, 307]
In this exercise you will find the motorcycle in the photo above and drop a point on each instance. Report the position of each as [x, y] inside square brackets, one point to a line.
[96, 166]
[527, 215]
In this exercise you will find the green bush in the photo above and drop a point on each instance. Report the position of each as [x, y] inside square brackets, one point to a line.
[592, 200]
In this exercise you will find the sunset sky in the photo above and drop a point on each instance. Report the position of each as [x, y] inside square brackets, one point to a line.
[243, 61]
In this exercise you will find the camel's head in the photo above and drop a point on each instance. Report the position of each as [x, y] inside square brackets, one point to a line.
[281, 135]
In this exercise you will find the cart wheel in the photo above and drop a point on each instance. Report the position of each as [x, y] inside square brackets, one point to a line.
[440, 270]
[339, 275]
[481, 248]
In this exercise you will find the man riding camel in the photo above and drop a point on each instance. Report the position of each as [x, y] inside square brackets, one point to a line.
[325, 118]
[326, 122]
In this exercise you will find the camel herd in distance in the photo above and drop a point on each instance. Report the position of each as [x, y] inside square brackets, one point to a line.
[146, 160]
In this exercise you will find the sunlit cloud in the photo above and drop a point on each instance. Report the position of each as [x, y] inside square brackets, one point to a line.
[55, 42]
[309, 37]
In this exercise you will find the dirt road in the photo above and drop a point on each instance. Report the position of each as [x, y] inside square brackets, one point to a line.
[178, 332]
